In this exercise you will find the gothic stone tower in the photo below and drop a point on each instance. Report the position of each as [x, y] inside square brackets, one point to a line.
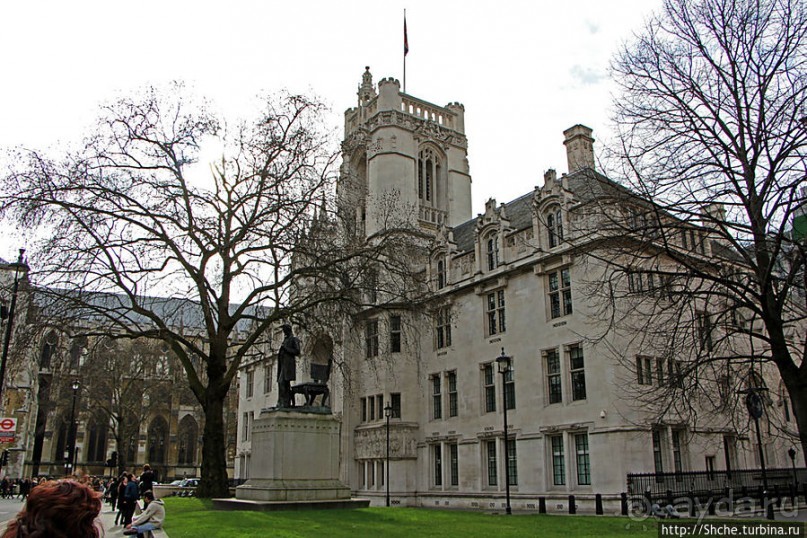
[406, 155]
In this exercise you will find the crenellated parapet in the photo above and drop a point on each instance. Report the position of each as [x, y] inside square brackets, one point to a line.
[400, 147]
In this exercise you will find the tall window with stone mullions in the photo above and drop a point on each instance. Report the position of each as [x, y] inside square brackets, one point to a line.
[560, 293]
[553, 380]
[583, 461]
[578, 374]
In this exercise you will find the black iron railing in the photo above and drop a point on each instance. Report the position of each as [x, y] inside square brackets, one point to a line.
[712, 484]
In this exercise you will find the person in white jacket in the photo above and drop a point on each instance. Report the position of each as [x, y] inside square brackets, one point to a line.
[151, 518]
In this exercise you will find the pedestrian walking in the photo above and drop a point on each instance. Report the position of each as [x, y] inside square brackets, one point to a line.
[146, 479]
[121, 502]
[130, 496]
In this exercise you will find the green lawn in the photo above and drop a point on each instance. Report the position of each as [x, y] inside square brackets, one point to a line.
[193, 518]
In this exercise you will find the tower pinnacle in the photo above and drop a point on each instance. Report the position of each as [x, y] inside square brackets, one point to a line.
[366, 90]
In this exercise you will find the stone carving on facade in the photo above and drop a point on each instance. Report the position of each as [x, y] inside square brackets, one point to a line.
[425, 130]
[372, 443]
[430, 131]
[375, 147]
[355, 140]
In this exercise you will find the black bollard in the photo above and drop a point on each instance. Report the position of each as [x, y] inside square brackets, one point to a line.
[598, 504]
[623, 501]
[572, 505]
[542, 505]
[692, 511]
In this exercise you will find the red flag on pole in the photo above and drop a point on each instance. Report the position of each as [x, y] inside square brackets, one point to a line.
[406, 39]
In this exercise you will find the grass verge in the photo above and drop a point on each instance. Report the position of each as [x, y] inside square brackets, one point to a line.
[192, 518]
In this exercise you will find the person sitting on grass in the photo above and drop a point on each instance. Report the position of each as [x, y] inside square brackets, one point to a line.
[151, 518]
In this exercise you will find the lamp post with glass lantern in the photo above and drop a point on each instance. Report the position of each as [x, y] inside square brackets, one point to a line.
[504, 363]
[9, 316]
[791, 452]
[755, 406]
[70, 462]
[387, 415]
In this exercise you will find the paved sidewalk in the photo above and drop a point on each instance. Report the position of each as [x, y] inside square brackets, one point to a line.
[107, 517]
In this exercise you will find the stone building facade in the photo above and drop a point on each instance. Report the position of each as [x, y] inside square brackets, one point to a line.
[519, 280]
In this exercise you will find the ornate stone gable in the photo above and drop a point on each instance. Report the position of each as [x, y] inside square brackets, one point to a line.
[493, 215]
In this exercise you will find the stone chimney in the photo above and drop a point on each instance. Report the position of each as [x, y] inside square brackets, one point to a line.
[579, 148]
[712, 215]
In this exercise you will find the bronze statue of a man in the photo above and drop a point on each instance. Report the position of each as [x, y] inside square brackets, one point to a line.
[286, 367]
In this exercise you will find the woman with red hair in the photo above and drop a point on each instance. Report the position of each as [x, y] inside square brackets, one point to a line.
[58, 509]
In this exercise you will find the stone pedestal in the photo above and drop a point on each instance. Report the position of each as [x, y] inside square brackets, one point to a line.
[295, 457]
[294, 464]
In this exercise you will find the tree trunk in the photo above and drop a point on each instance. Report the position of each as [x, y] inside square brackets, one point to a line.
[214, 481]
[797, 389]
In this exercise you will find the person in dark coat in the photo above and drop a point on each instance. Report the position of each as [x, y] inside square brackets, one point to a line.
[147, 478]
[113, 493]
[130, 496]
[286, 367]
[25, 489]
[121, 503]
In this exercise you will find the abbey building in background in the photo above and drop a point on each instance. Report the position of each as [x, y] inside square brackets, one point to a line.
[129, 400]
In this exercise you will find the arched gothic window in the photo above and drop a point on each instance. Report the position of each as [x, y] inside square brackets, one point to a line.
[157, 437]
[554, 227]
[130, 429]
[428, 175]
[77, 349]
[48, 350]
[188, 432]
[96, 445]
[61, 440]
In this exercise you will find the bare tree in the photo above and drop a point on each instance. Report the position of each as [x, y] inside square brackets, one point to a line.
[712, 136]
[127, 381]
[254, 243]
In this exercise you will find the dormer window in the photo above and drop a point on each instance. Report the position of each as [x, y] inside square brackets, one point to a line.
[554, 227]
[441, 274]
[492, 252]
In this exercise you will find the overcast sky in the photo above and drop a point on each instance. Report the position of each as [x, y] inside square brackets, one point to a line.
[525, 70]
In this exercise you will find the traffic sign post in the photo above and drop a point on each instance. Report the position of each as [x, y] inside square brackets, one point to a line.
[8, 429]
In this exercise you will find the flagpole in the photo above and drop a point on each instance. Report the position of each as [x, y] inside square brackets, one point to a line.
[406, 51]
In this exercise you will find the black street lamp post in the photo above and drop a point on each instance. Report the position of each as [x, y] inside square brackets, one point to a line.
[791, 452]
[10, 315]
[504, 363]
[753, 401]
[70, 461]
[387, 415]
